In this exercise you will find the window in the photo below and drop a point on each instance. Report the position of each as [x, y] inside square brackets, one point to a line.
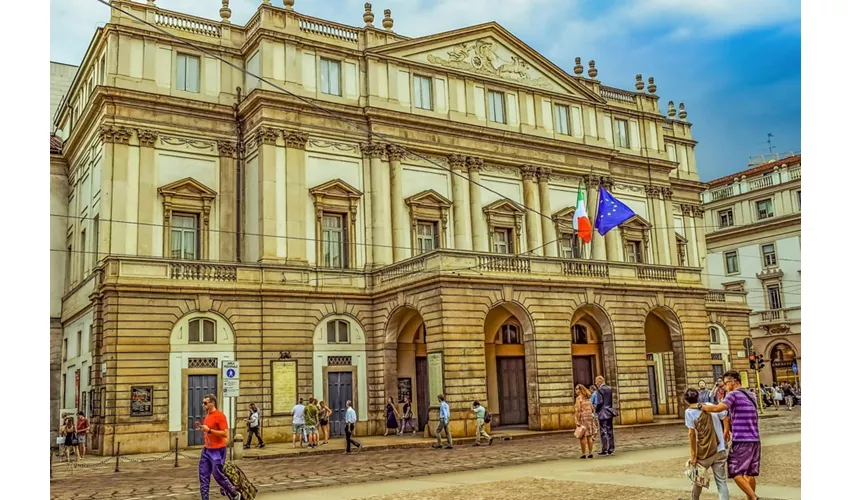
[579, 334]
[799, 200]
[510, 334]
[79, 343]
[333, 241]
[65, 349]
[64, 389]
[188, 73]
[83, 254]
[621, 133]
[102, 70]
[503, 240]
[330, 76]
[731, 262]
[726, 217]
[184, 237]
[562, 119]
[672, 154]
[338, 332]
[202, 331]
[497, 106]
[634, 251]
[570, 246]
[426, 236]
[768, 253]
[422, 92]
[95, 243]
[764, 209]
[714, 335]
[682, 252]
[68, 265]
[774, 297]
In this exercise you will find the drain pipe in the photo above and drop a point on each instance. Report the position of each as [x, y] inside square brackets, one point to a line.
[240, 185]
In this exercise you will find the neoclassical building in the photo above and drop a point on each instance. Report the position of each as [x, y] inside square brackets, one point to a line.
[396, 221]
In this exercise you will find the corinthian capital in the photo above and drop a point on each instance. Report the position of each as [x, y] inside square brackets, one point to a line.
[113, 134]
[653, 191]
[667, 193]
[395, 153]
[266, 135]
[457, 162]
[295, 139]
[529, 172]
[226, 149]
[544, 174]
[592, 180]
[607, 182]
[372, 150]
[474, 163]
[147, 137]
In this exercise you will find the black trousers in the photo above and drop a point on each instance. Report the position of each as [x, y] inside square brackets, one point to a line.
[349, 428]
[254, 431]
[606, 434]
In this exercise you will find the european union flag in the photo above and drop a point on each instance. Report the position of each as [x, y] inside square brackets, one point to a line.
[611, 212]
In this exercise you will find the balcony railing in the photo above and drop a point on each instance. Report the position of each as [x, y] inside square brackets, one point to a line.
[590, 269]
[761, 182]
[715, 296]
[617, 95]
[403, 268]
[724, 192]
[202, 271]
[772, 315]
[794, 173]
[505, 264]
[186, 23]
[324, 28]
[656, 273]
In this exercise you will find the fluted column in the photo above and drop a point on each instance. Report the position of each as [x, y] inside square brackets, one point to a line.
[532, 216]
[296, 197]
[613, 241]
[148, 196]
[382, 235]
[597, 242]
[400, 243]
[267, 177]
[480, 242]
[658, 218]
[550, 235]
[460, 203]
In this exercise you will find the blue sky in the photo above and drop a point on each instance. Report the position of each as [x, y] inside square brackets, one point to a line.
[735, 64]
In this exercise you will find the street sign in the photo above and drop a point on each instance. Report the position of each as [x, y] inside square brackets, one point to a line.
[230, 377]
[748, 344]
[794, 368]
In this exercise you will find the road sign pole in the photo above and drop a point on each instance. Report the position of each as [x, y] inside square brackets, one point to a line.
[758, 387]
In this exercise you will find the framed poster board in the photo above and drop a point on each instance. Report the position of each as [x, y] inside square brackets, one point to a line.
[284, 386]
[141, 401]
[435, 377]
[405, 386]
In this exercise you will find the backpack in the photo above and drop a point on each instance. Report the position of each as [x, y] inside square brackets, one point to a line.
[487, 417]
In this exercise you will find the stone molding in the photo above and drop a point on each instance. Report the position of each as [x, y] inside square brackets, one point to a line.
[226, 149]
[266, 135]
[295, 139]
[395, 153]
[116, 135]
[544, 174]
[529, 172]
[147, 137]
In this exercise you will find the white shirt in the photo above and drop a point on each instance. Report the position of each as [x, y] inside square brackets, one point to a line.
[298, 414]
[350, 416]
[254, 420]
[691, 416]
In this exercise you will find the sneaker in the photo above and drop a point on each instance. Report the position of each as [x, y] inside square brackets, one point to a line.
[590, 456]
[261, 446]
[583, 456]
[490, 443]
[439, 446]
[477, 444]
[246, 447]
[237, 496]
[359, 447]
[449, 447]
[603, 454]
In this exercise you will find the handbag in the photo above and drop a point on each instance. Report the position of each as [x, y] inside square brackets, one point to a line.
[580, 431]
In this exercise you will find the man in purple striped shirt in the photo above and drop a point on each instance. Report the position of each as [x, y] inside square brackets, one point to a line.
[745, 457]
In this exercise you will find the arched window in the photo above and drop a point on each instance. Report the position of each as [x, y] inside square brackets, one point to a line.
[338, 332]
[782, 352]
[714, 335]
[510, 334]
[202, 331]
[579, 334]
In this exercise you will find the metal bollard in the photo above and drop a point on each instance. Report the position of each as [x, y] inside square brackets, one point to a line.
[51, 463]
[117, 456]
[176, 451]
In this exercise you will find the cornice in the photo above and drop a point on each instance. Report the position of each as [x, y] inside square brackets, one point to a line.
[755, 229]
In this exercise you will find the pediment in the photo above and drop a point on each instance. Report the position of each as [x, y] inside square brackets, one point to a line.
[565, 214]
[504, 206]
[489, 50]
[429, 198]
[187, 187]
[336, 188]
[637, 222]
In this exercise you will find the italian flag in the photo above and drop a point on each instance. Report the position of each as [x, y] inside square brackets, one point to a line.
[581, 222]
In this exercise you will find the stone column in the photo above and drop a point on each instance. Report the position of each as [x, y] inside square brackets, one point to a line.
[661, 247]
[597, 242]
[382, 238]
[480, 241]
[116, 156]
[550, 234]
[667, 207]
[227, 202]
[690, 233]
[400, 242]
[699, 225]
[613, 241]
[147, 192]
[460, 202]
[296, 197]
[532, 215]
[267, 177]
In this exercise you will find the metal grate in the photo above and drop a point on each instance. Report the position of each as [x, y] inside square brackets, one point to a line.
[203, 362]
[717, 356]
[339, 360]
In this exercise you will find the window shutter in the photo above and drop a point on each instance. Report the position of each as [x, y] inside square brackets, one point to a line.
[346, 260]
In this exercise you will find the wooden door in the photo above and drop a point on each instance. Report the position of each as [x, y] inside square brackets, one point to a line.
[513, 407]
[339, 391]
[422, 392]
[199, 387]
[584, 370]
[653, 389]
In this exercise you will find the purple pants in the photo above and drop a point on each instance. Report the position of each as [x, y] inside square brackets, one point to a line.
[212, 463]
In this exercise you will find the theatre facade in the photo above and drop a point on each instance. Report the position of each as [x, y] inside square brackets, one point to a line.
[380, 216]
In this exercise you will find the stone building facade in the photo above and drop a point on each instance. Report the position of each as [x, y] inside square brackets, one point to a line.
[213, 216]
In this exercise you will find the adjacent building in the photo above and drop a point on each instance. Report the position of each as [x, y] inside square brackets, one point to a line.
[754, 243]
[380, 216]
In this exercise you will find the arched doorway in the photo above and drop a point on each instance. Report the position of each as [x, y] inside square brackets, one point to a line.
[720, 352]
[589, 329]
[782, 359]
[407, 341]
[664, 360]
[505, 329]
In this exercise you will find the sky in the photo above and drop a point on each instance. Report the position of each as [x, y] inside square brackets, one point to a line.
[735, 64]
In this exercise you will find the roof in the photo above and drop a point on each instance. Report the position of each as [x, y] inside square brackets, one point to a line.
[55, 144]
[761, 169]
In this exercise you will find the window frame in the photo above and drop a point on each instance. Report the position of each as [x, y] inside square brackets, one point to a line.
[326, 62]
[201, 322]
[416, 92]
[83, 254]
[343, 239]
[336, 197]
[510, 331]
[574, 246]
[618, 138]
[636, 247]
[713, 335]
[576, 339]
[731, 217]
[491, 108]
[195, 230]
[79, 350]
[186, 56]
[769, 300]
[434, 236]
[758, 211]
[562, 128]
[764, 256]
[333, 326]
[508, 243]
[726, 255]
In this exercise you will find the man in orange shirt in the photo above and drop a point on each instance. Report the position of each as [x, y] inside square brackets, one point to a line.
[215, 451]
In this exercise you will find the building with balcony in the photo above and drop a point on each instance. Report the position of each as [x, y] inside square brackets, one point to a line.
[379, 216]
[754, 242]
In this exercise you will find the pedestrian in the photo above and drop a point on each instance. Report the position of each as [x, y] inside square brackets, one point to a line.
[704, 393]
[778, 397]
[325, 420]
[444, 423]
[392, 417]
[298, 423]
[606, 413]
[593, 391]
[350, 421]
[767, 395]
[585, 423]
[745, 455]
[482, 419]
[69, 431]
[407, 416]
[254, 427]
[788, 394]
[82, 433]
[708, 446]
[719, 391]
[311, 420]
[214, 453]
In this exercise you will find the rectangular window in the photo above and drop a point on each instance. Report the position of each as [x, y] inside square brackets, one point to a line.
[333, 240]
[570, 246]
[184, 237]
[79, 343]
[634, 251]
[764, 209]
[95, 242]
[768, 253]
[330, 76]
[562, 119]
[202, 330]
[422, 92]
[83, 254]
[714, 337]
[731, 262]
[102, 69]
[338, 332]
[774, 297]
[188, 73]
[426, 236]
[682, 250]
[799, 200]
[502, 241]
[68, 264]
[621, 133]
[726, 217]
[64, 349]
[497, 106]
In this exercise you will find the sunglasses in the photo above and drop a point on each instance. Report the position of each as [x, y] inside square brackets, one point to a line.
[205, 403]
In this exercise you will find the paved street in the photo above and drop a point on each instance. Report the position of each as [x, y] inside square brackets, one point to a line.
[280, 475]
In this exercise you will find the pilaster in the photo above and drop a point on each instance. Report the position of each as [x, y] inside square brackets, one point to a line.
[661, 247]
[613, 240]
[268, 178]
[382, 240]
[460, 202]
[147, 192]
[597, 242]
[395, 154]
[480, 241]
[296, 196]
[550, 234]
[227, 201]
[114, 178]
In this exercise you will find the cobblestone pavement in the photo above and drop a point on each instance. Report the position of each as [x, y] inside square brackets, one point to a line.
[137, 481]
